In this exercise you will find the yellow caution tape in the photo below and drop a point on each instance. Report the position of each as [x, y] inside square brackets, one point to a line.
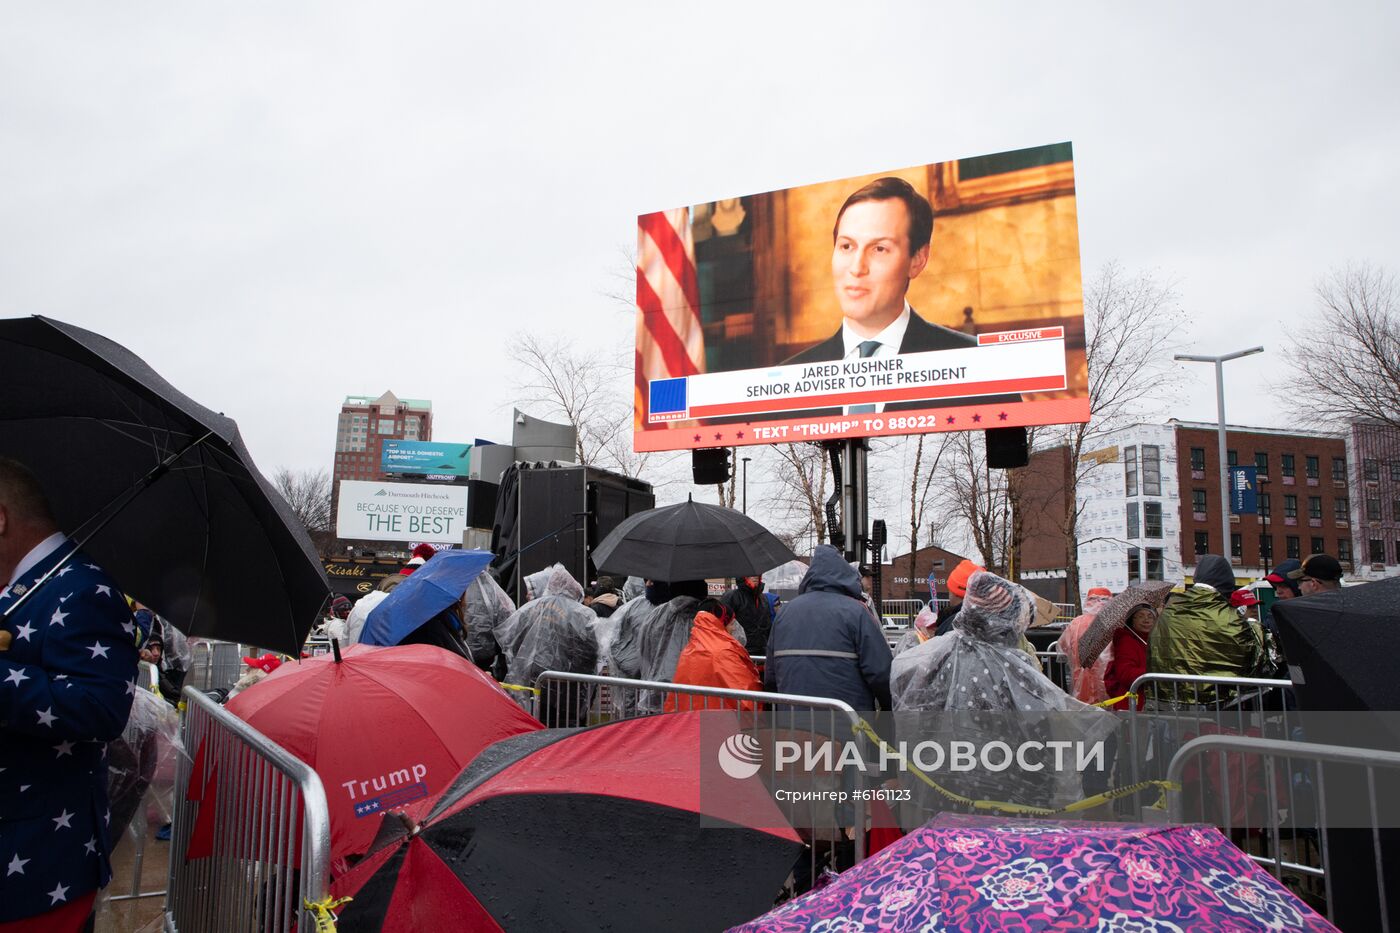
[1017, 809]
[1116, 700]
[323, 912]
[533, 690]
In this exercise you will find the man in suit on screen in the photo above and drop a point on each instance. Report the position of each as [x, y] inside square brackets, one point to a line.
[880, 243]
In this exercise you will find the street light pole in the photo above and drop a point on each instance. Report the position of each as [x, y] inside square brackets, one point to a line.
[1220, 362]
[746, 484]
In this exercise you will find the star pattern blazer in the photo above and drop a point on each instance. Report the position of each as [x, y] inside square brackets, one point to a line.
[66, 687]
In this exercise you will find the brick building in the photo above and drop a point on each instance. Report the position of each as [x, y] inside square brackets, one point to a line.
[366, 422]
[1373, 458]
[1041, 492]
[1304, 503]
[895, 582]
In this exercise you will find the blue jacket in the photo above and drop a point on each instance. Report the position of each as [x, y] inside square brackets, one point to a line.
[826, 642]
[66, 686]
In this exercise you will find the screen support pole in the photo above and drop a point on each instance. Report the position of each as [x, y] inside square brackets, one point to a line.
[855, 498]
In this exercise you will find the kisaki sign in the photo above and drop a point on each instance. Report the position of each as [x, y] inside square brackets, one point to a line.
[944, 297]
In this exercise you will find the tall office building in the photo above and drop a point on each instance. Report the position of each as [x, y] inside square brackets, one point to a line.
[366, 422]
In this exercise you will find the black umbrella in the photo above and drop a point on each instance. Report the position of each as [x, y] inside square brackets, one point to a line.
[1332, 641]
[1339, 644]
[183, 519]
[689, 541]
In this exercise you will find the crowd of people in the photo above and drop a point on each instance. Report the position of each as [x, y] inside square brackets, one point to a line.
[828, 641]
[75, 714]
[1213, 628]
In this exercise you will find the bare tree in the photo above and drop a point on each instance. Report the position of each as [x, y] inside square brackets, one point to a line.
[560, 379]
[308, 493]
[728, 496]
[977, 495]
[922, 488]
[803, 474]
[1133, 323]
[1346, 366]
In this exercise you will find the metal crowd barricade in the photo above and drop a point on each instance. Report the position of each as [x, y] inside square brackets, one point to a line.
[1297, 847]
[565, 699]
[1055, 667]
[269, 851]
[905, 609]
[1178, 707]
[216, 665]
[318, 645]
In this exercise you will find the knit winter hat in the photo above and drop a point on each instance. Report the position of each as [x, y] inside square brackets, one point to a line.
[957, 580]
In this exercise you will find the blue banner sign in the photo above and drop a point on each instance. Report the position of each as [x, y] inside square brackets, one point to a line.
[1244, 488]
[426, 457]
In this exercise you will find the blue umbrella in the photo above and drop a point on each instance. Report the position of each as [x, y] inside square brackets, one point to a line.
[433, 587]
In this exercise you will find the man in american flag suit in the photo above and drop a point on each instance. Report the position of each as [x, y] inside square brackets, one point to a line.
[68, 663]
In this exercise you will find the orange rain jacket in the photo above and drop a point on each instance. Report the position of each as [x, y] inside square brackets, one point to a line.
[712, 658]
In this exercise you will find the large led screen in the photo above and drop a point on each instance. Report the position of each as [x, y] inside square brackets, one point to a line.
[943, 297]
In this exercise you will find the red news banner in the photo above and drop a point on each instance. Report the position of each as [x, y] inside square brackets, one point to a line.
[1003, 363]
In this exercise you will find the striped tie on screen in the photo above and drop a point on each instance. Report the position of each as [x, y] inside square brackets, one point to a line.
[867, 349]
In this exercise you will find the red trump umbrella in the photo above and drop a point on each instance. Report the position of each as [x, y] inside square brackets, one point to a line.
[591, 829]
[383, 727]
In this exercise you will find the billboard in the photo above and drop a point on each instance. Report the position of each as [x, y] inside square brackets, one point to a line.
[944, 297]
[427, 457]
[401, 511]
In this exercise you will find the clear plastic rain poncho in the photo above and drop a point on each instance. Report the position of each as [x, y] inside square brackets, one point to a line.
[1087, 683]
[487, 606]
[552, 633]
[536, 583]
[980, 672]
[177, 654]
[624, 649]
[146, 746]
[921, 631]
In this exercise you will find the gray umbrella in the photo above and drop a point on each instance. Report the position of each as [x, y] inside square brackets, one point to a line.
[176, 510]
[689, 541]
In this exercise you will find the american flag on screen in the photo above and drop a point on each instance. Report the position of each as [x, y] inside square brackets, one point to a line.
[669, 338]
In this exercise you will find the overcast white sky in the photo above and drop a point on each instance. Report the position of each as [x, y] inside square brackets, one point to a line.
[281, 204]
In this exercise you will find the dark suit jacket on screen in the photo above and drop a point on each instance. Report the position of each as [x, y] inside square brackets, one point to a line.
[919, 337]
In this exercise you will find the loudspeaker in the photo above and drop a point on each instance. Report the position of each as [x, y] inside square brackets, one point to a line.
[553, 520]
[710, 466]
[1007, 448]
[481, 503]
[565, 511]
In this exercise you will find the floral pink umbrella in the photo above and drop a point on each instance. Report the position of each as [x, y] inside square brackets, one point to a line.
[969, 873]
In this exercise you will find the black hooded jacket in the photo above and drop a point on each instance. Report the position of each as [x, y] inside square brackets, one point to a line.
[826, 642]
[750, 607]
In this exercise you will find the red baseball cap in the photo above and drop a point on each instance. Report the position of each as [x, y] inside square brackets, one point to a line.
[1243, 597]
